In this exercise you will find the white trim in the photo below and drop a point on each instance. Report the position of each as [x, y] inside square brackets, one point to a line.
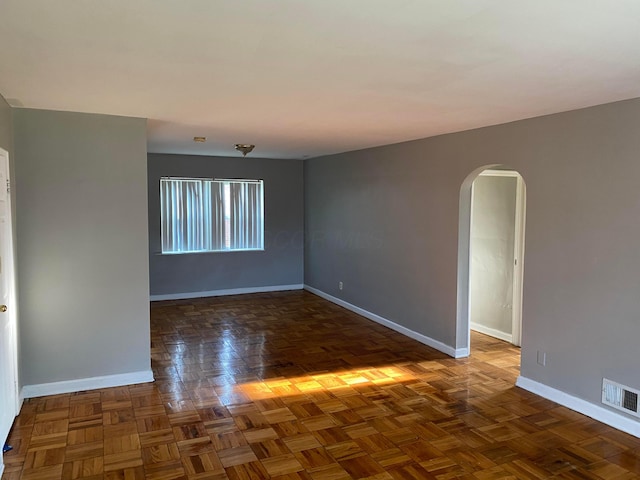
[597, 412]
[465, 218]
[518, 267]
[20, 401]
[462, 352]
[10, 276]
[492, 332]
[82, 384]
[463, 312]
[199, 252]
[228, 291]
[1, 464]
[468, 259]
[499, 173]
[452, 352]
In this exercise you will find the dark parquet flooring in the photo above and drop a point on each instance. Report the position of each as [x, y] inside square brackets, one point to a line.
[288, 386]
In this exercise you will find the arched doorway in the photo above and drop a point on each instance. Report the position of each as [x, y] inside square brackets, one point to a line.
[497, 201]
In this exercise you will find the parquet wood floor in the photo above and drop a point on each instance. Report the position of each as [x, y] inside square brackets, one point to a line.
[287, 386]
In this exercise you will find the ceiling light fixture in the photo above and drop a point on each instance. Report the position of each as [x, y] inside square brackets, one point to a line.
[200, 139]
[244, 148]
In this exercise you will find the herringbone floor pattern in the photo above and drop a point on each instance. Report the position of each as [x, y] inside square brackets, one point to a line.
[287, 386]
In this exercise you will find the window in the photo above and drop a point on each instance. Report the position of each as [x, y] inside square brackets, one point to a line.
[207, 215]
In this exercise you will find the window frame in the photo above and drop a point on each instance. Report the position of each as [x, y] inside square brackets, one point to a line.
[207, 184]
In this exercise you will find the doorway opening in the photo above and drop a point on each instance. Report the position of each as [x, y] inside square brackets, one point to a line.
[490, 256]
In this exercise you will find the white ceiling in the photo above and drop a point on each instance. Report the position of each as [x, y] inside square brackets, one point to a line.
[311, 77]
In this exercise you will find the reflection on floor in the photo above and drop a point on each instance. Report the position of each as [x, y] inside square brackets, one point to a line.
[289, 386]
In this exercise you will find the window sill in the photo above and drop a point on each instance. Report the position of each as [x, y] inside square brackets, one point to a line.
[200, 252]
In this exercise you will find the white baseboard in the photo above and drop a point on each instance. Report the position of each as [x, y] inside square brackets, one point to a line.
[461, 353]
[82, 384]
[452, 352]
[221, 293]
[20, 401]
[601, 414]
[492, 332]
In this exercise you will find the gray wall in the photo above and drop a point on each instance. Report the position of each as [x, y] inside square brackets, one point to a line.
[385, 221]
[492, 242]
[281, 263]
[82, 240]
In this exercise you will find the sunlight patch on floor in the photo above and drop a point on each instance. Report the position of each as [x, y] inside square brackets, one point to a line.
[280, 387]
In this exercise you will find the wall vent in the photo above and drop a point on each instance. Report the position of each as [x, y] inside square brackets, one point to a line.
[620, 397]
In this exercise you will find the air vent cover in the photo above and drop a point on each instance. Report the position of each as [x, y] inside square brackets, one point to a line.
[620, 397]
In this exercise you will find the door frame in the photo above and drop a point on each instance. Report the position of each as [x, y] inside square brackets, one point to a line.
[518, 252]
[463, 327]
[9, 266]
[518, 249]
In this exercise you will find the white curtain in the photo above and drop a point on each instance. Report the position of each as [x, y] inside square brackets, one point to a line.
[246, 214]
[218, 215]
[186, 215]
[211, 215]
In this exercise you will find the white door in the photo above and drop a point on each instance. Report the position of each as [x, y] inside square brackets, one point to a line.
[8, 330]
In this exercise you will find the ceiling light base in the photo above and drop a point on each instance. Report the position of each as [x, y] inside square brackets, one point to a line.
[244, 148]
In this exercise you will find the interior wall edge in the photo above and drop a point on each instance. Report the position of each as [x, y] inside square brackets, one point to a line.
[428, 341]
[601, 414]
[493, 332]
[82, 384]
[225, 292]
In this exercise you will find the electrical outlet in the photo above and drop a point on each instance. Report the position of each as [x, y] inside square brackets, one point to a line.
[542, 358]
[340, 285]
